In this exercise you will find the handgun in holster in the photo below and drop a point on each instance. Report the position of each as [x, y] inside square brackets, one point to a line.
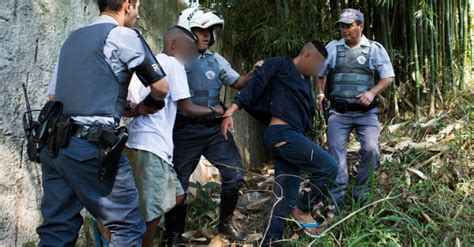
[112, 143]
[46, 131]
[326, 107]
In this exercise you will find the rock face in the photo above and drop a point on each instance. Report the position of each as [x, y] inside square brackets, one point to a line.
[31, 34]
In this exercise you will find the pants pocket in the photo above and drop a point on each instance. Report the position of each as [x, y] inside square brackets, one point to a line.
[81, 150]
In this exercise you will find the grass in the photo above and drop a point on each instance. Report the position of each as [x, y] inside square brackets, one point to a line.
[425, 213]
[434, 207]
[436, 211]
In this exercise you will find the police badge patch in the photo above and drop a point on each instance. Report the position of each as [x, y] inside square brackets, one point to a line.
[210, 75]
[361, 59]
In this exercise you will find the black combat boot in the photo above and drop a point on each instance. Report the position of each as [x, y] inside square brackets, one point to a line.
[174, 224]
[226, 226]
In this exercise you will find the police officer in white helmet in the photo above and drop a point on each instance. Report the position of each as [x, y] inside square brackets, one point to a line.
[194, 137]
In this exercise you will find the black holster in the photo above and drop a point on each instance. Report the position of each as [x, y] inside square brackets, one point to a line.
[45, 134]
[63, 131]
[326, 108]
[112, 143]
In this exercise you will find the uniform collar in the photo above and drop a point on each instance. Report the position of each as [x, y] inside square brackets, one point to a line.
[207, 52]
[363, 42]
[106, 19]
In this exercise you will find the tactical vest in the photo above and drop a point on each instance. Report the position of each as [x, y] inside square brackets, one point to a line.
[352, 74]
[86, 85]
[203, 80]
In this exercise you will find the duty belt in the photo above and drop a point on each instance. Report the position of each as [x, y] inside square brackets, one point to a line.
[182, 121]
[104, 134]
[342, 106]
[111, 143]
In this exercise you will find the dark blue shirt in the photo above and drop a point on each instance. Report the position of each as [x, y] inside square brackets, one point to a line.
[278, 89]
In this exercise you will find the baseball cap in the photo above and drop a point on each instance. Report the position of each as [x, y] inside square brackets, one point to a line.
[349, 16]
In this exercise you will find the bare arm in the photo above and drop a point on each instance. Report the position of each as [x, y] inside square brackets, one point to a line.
[228, 122]
[137, 110]
[130, 114]
[321, 84]
[159, 89]
[189, 109]
[382, 85]
[366, 98]
[244, 79]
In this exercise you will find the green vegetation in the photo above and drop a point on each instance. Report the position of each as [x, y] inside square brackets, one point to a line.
[424, 193]
[425, 188]
[428, 41]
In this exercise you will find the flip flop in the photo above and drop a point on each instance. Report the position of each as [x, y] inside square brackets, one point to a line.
[100, 241]
[304, 225]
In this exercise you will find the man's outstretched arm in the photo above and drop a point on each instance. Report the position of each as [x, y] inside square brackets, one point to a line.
[189, 109]
[243, 80]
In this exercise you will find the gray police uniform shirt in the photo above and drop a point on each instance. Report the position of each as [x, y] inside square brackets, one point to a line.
[227, 75]
[378, 57]
[123, 50]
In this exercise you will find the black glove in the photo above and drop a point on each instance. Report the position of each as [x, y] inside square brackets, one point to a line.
[149, 101]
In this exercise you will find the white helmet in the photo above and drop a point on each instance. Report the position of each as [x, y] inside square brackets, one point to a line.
[200, 18]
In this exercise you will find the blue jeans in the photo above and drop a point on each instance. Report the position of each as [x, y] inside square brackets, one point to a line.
[298, 155]
[367, 127]
[70, 183]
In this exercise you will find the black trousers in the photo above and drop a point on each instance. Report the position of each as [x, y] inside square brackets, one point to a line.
[192, 141]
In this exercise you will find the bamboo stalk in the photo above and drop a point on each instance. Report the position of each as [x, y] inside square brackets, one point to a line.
[462, 42]
[405, 44]
[416, 61]
[449, 43]
[433, 66]
[469, 33]
[420, 37]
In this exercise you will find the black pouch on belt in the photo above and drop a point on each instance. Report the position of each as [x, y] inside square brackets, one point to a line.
[112, 143]
[63, 131]
[52, 145]
[340, 105]
[47, 120]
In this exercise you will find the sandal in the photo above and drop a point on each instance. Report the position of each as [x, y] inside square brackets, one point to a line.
[100, 241]
[304, 225]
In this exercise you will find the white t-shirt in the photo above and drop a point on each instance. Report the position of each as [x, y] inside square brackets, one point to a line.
[154, 133]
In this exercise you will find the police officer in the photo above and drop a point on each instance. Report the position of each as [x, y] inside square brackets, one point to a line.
[91, 79]
[352, 67]
[198, 136]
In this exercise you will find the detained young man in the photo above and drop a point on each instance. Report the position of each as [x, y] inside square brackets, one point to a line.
[280, 96]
